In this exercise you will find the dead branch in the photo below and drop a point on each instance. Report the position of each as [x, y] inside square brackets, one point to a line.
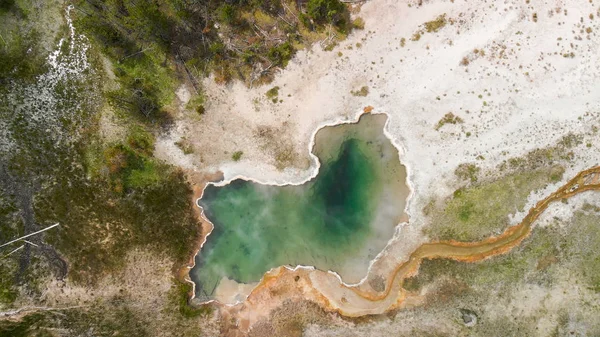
[130, 55]
[28, 235]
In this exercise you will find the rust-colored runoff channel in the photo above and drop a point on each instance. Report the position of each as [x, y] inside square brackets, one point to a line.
[326, 290]
[475, 251]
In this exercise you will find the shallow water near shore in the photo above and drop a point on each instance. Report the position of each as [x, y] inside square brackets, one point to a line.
[340, 220]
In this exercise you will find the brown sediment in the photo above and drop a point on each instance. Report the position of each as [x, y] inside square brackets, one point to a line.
[281, 283]
[198, 182]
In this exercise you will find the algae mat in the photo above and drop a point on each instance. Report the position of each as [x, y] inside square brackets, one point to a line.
[337, 221]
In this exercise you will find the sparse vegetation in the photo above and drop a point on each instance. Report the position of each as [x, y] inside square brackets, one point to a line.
[448, 118]
[481, 210]
[416, 36]
[151, 46]
[327, 11]
[273, 94]
[554, 256]
[467, 172]
[435, 25]
[110, 198]
[432, 26]
[358, 23]
[185, 146]
[362, 92]
[237, 155]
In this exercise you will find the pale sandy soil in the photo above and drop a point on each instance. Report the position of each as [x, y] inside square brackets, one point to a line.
[531, 95]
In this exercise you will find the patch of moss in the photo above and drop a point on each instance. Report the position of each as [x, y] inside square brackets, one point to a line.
[416, 36]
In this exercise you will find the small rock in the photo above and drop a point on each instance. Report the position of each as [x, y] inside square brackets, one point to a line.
[469, 317]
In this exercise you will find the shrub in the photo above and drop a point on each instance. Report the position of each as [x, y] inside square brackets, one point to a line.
[364, 91]
[227, 14]
[358, 23]
[273, 94]
[435, 25]
[448, 118]
[326, 11]
[237, 155]
[141, 139]
[281, 54]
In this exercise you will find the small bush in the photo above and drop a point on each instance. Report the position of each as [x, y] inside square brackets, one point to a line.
[273, 94]
[364, 91]
[140, 139]
[237, 155]
[281, 54]
[326, 11]
[435, 25]
[358, 23]
[448, 118]
[227, 14]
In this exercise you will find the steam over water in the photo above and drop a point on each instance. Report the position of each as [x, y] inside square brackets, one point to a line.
[338, 221]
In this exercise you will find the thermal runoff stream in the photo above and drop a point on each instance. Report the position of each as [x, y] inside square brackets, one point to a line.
[340, 220]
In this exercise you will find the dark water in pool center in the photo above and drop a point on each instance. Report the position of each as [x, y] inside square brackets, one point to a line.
[349, 210]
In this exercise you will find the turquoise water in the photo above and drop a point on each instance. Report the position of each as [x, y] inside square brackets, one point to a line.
[323, 222]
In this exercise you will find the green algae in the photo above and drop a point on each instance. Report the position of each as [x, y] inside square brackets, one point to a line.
[329, 222]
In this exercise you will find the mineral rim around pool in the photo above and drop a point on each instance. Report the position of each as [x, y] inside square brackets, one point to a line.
[340, 220]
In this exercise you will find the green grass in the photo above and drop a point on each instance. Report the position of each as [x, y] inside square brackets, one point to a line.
[180, 294]
[8, 291]
[543, 260]
[140, 139]
[479, 211]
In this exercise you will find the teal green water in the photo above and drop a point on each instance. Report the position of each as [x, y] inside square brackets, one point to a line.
[323, 222]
